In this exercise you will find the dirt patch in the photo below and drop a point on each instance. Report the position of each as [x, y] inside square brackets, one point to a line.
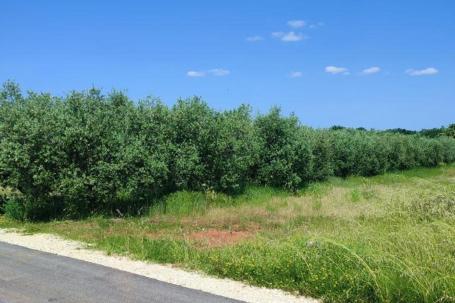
[219, 238]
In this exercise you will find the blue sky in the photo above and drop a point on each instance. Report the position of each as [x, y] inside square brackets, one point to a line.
[377, 64]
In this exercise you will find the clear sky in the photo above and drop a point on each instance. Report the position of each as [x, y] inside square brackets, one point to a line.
[376, 64]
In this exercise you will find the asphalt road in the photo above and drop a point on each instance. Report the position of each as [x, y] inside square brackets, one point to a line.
[29, 276]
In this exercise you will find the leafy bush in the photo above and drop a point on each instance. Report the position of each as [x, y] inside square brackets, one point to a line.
[322, 154]
[5, 195]
[450, 131]
[15, 208]
[285, 156]
[234, 150]
[210, 149]
[89, 153]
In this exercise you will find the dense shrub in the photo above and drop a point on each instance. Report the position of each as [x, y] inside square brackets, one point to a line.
[322, 154]
[210, 149]
[450, 131]
[89, 153]
[344, 152]
[234, 150]
[5, 195]
[285, 156]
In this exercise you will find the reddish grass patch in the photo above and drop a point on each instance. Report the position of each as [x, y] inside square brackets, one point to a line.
[219, 238]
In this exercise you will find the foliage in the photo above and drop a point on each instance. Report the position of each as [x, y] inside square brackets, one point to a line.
[5, 195]
[450, 131]
[285, 156]
[88, 153]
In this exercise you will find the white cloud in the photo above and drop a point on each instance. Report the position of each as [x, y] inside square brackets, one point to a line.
[336, 70]
[296, 23]
[288, 37]
[422, 72]
[292, 37]
[295, 74]
[254, 39]
[219, 72]
[193, 73]
[371, 70]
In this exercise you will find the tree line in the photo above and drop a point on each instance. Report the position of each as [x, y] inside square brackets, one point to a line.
[429, 132]
[87, 153]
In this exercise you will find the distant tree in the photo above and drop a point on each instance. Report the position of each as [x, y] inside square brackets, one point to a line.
[450, 131]
[432, 132]
[401, 131]
[337, 127]
[11, 92]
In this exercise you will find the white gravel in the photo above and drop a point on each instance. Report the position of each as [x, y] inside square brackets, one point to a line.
[166, 273]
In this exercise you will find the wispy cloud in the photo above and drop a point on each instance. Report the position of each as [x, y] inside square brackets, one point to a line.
[288, 36]
[193, 73]
[295, 74]
[296, 23]
[371, 70]
[219, 72]
[254, 39]
[429, 71]
[334, 70]
[315, 25]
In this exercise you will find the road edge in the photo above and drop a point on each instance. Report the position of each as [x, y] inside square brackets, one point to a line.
[165, 273]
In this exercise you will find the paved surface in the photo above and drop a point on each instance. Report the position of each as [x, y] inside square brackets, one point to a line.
[29, 276]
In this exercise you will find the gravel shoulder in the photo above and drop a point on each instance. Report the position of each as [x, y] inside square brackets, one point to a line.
[166, 273]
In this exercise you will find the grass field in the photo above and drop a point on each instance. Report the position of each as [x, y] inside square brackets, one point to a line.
[389, 238]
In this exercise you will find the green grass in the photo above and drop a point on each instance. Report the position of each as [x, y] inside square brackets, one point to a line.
[388, 238]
